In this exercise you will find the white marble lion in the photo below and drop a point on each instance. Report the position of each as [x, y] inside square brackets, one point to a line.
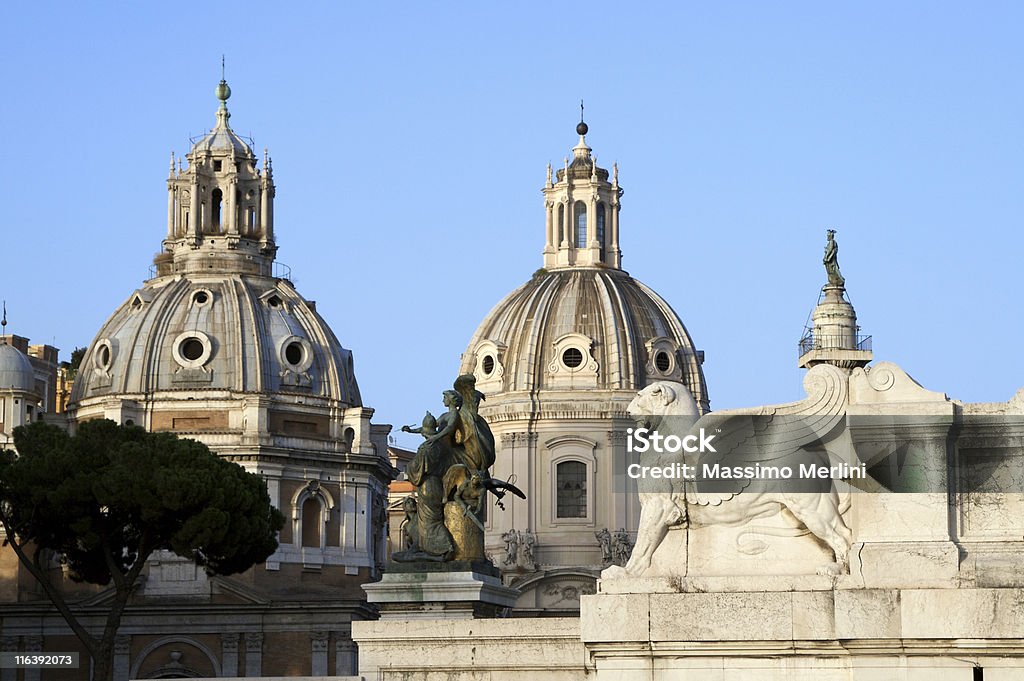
[747, 436]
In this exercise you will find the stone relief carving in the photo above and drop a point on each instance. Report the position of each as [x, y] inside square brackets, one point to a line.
[568, 592]
[616, 547]
[622, 546]
[604, 540]
[519, 547]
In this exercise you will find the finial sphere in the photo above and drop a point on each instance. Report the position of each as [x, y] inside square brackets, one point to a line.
[223, 91]
[581, 128]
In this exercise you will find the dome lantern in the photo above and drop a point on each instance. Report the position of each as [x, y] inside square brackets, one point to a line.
[220, 209]
[582, 207]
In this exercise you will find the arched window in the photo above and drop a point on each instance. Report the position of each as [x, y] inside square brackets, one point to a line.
[581, 224]
[571, 483]
[561, 223]
[311, 522]
[600, 228]
[218, 199]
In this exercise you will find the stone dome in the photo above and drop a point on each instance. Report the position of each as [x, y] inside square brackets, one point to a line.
[217, 332]
[588, 327]
[16, 371]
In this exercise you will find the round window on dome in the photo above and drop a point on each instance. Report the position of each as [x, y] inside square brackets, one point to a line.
[104, 355]
[293, 353]
[572, 358]
[191, 349]
[274, 301]
[201, 297]
[663, 361]
[488, 365]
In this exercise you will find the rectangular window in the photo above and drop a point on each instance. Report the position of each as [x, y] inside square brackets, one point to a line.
[571, 482]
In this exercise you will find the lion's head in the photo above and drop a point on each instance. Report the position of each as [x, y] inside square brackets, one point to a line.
[661, 399]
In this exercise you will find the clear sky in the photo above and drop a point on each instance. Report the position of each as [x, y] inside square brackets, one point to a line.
[410, 142]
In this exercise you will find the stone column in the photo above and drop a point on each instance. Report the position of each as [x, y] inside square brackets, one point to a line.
[231, 208]
[9, 644]
[170, 210]
[567, 222]
[592, 221]
[195, 209]
[264, 191]
[269, 233]
[229, 654]
[613, 245]
[549, 220]
[254, 654]
[346, 657]
[318, 641]
[34, 644]
[122, 651]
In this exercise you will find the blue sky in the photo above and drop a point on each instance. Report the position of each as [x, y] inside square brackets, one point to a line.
[410, 141]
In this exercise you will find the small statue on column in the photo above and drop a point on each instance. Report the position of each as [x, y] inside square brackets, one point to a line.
[831, 260]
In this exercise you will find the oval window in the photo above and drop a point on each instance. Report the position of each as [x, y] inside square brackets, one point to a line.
[572, 358]
[663, 361]
[488, 365]
[200, 297]
[103, 355]
[293, 353]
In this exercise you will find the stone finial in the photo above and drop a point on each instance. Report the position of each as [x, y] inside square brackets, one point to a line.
[549, 175]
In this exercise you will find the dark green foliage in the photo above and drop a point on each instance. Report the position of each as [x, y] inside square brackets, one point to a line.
[117, 492]
[107, 497]
[76, 361]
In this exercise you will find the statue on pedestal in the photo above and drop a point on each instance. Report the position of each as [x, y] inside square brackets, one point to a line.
[831, 260]
[451, 473]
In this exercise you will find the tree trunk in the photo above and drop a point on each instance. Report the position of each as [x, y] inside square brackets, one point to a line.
[103, 662]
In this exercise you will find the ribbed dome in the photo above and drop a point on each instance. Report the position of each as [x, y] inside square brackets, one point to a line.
[223, 139]
[217, 332]
[16, 371]
[583, 328]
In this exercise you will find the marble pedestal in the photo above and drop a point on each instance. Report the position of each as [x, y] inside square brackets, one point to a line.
[659, 629]
[454, 590]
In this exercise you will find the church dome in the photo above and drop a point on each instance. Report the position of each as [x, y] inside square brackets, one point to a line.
[234, 332]
[218, 320]
[16, 371]
[581, 322]
[583, 327]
